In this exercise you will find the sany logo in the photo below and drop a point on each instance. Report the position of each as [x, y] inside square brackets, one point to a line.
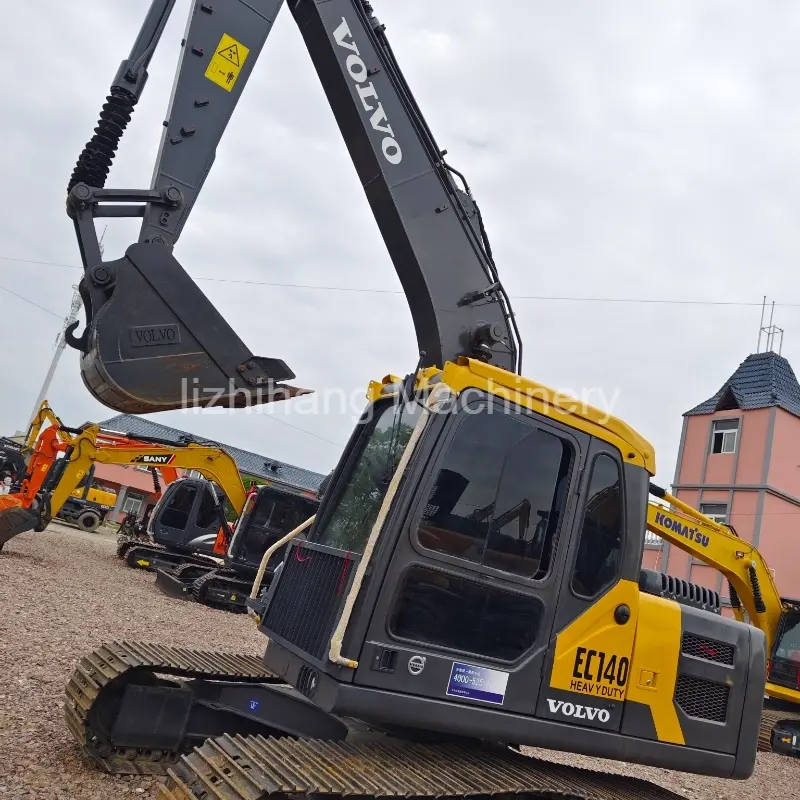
[367, 92]
[578, 712]
[159, 461]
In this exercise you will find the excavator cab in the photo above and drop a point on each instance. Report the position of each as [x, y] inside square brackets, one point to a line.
[188, 516]
[489, 588]
[784, 663]
[269, 514]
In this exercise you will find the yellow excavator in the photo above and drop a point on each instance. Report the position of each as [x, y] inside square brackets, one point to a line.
[89, 446]
[413, 646]
[754, 598]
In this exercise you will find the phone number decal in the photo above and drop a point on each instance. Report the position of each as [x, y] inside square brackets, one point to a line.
[477, 683]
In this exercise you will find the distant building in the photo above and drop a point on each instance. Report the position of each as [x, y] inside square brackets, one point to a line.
[134, 485]
[739, 463]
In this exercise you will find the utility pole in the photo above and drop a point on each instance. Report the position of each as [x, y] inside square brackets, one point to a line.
[61, 343]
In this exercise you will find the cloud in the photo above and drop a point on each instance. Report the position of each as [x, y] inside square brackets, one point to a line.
[618, 150]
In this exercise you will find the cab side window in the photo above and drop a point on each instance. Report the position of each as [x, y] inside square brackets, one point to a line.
[207, 516]
[599, 555]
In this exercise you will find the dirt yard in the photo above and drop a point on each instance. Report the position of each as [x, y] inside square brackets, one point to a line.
[63, 592]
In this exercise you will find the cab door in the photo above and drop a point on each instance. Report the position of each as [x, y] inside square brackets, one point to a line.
[185, 517]
[588, 664]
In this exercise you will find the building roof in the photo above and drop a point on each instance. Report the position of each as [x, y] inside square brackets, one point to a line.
[762, 380]
[249, 463]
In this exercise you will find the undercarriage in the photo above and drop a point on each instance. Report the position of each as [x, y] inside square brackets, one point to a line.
[222, 727]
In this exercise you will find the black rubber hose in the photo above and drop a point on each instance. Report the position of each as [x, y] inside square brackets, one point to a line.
[758, 599]
[734, 597]
[94, 162]
[156, 482]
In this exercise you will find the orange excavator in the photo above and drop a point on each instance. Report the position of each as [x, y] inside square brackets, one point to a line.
[23, 509]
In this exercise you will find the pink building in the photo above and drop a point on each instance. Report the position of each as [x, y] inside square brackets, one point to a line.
[739, 462]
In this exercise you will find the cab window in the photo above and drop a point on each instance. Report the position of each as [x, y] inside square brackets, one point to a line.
[600, 549]
[499, 495]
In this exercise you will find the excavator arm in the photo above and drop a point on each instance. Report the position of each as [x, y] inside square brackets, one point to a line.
[152, 340]
[45, 415]
[212, 463]
[752, 587]
[56, 478]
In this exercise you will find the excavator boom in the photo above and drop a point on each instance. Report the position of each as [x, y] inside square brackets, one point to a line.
[153, 341]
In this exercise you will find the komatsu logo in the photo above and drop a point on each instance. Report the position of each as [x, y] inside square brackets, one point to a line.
[577, 711]
[676, 526]
[158, 461]
[367, 92]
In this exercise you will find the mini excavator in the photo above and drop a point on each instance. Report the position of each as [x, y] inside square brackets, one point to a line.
[270, 512]
[413, 645]
[58, 468]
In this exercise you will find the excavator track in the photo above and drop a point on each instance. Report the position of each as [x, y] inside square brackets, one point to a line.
[222, 588]
[769, 718]
[103, 671]
[125, 543]
[257, 768]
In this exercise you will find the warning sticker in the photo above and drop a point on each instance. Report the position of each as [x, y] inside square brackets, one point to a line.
[227, 62]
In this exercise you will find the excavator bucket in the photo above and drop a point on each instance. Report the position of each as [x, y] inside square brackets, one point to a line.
[154, 342]
[14, 519]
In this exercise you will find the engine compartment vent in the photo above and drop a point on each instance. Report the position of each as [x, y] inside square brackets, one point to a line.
[702, 699]
[707, 649]
[679, 590]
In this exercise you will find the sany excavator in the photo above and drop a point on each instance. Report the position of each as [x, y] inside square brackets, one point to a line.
[57, 470]
[412, 647]
[753, 595]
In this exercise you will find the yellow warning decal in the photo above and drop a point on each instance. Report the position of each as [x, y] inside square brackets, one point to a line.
[227, 62]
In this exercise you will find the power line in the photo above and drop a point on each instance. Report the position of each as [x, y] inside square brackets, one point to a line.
[25, 300]
[366, 290]
[303, 430]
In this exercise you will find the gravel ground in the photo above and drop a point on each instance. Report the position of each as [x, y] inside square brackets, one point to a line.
[63, 592]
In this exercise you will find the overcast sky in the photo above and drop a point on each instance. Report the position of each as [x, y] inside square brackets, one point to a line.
[618, 150]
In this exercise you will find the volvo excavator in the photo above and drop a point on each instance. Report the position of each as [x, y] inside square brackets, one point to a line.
[413, 646]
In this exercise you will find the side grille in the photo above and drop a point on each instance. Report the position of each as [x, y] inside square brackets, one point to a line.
[708, 649]
[679, 590]
[702, 699]
[308, 597]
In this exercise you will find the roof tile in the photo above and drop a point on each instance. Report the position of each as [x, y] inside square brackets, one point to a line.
[249, 463]
[762, 380]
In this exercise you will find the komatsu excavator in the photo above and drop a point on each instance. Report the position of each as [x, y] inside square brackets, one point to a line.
[753, 595]
[413, 645]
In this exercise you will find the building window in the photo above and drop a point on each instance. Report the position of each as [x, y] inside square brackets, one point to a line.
[653, 539]
[716, 511]
[723, 437]
[132, 504]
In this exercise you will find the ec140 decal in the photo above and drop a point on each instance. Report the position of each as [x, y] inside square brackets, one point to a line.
[595, 672]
